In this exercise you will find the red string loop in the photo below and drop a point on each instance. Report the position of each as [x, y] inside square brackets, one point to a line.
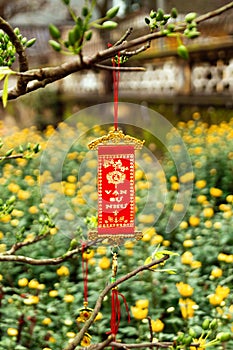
[85, 274]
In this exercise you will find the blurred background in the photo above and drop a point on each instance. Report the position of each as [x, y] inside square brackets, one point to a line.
[172, 86]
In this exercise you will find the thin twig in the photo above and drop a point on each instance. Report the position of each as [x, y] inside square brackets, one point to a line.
[100, 346]
[13, 156]
[150, 329]
[137, 51]
[124, 37]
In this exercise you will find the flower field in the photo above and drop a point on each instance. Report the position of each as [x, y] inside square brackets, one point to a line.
[189, 299]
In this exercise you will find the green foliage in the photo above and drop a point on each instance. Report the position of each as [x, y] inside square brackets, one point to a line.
[157, 20]
[7, 49]
[81, 31]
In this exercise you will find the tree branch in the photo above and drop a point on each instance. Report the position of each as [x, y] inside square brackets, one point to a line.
[20, 245]
[39, 78]
[53, 261]
[72, 345]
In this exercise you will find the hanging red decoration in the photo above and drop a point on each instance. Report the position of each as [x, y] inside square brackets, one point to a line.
[116, 187]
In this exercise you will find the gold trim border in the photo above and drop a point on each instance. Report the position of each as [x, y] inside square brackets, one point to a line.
[115, 137]
[115, 239]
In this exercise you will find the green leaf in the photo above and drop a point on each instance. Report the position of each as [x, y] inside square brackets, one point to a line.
[109, 25]
[5, 91]
[190, 17]
[30, 42]
[183, 52]
[174, 13]
[112, 12]
[159, 15]
[54, 31]
[55, 45]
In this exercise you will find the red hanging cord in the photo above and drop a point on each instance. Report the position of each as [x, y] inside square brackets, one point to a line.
[116, 79]
[85, 275]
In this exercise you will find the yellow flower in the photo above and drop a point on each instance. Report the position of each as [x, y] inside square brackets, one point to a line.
[208, 224]
[99, 316]
[157, 239]
[71, 178]
[222, 291]
[187, 258]
[183, 225]
[2, 248]
[202, 199]
[188, 243]
[229, 198]
[216, 272]
[222, 257]
[146, 218]
[194, 221]
[139, 174]
[184, 289]
[84, 314]
[200, 184]
[187, 177]
[68, 298]
[195, 264]
[63, 271]
[101, 250]
[31, 300]
[23, 195]
[157, 325]
[215, 192]
[23, 282]
[129, 244]
[12, 332]
[173, 178]
[70, 334]
[53, 293]
[175, 186]
[142, 303]
[104, 263]
[187, 307]
[208, 212]
[33, 210]
[88, 254]
[86, 341]
[46, 321]
[34, 284]
[139, 313]
[215, 299]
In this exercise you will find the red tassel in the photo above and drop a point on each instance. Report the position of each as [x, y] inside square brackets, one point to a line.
[116, 311]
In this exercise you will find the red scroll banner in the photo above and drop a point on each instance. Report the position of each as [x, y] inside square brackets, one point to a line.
[116, 187]
[116, 194]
